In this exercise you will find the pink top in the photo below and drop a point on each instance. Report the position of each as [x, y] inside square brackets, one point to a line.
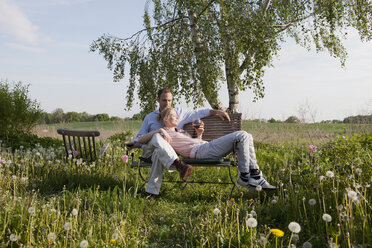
[183, 143]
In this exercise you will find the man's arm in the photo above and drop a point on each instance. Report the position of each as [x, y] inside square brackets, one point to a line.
[142, 131]
[222, 114]
[144, 139]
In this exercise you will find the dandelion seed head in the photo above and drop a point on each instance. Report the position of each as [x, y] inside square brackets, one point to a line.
[312, 202]
[253, 213]
[13, 237]
[321, 178]
[307, 244]
[259, 188]
[51, 237]
[251, 222]
[74, 212]
[216, 211]
[327, 218]
[84, 244]
[31, 210]
[330, 174]
[115, 236]
[294, 227]
[295, 238]
[274, 201]
[352, 194]
[358, 171]
[67, 226]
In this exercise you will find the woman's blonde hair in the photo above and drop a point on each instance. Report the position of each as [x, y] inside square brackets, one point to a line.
[164, 114]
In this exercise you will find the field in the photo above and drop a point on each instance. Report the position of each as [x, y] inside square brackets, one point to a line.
[323, 198]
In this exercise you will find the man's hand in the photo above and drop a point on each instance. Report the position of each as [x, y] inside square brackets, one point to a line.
[131, 145]
[199, 131]
[222, 114]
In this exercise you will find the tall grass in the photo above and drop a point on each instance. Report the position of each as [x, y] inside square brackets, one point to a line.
[47, 201]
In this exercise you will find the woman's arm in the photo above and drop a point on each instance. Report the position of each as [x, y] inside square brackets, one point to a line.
[144, 139]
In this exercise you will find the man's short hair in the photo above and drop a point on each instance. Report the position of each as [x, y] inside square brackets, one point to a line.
[164, 90]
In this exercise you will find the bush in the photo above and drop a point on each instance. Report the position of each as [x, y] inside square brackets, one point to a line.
[19, 114]
[16, 140]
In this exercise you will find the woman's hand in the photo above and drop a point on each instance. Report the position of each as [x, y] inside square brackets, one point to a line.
[165, 135]
[200, 130]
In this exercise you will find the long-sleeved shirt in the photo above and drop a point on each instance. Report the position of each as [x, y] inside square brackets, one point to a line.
[183, 143]
[150, 123]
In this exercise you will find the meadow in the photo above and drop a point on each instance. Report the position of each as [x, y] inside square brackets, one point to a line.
[323, 197]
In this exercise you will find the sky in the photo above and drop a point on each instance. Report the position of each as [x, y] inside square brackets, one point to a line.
[45, 43]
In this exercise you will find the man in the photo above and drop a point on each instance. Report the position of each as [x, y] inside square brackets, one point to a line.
[161, 153]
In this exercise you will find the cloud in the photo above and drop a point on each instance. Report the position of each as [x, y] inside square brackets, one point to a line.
[25, 47]
[14, 23]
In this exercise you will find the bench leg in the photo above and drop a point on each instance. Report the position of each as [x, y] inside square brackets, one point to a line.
[143, 179]
[187, 182]
[233, 182]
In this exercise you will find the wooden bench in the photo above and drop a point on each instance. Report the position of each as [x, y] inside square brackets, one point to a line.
[81, 144]
[214, 128]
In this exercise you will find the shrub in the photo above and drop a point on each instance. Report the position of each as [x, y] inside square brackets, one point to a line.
[16, 140]
[18, 112]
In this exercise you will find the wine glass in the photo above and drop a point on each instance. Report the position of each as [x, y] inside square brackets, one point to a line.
[195, 124]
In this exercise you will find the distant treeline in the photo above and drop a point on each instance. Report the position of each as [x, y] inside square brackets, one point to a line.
[359, 119]
[58, 116]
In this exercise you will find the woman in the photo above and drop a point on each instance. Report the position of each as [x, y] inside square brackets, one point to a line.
[185, 145]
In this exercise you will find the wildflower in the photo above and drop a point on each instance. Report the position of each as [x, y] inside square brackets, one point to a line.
[232, 199]
[216, 211]
[258, 188]
[123, 223]
[13, 237]
[74, 212]
[294, 227]
[295, 238]
[330, 174]
[253, 213]
[51, 237]
[340, 207]
[321, 178]
[307, 244]
[274, 201]
[125, 158]
[251, 222]
[31, 211]
[84, 244]
[312, 202]
[312, 149]
[115, 236]
[358, 171]
[113, 240]
[327, 218]
[277, 232]
[67, 226]
[75, 153]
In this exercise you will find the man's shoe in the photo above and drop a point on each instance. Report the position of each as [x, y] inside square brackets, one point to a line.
[245, 184]
[184, 169]
[151, 197]
[258, 180]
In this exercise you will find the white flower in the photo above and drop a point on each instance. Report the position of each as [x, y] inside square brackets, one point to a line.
[216, 211]
[13, 237]
[294, 227]
[340, 207]
[115, 236]
[274, 201]
[358, 171]
[253, 213]
[84, 244]
[307, 244]
[258, 188]
[67, 226]
[251, 222]
[327, 218]
[51, 237]
[330, 174]
[74, 212]
[31, 210]
[312, 202]
[321, 178]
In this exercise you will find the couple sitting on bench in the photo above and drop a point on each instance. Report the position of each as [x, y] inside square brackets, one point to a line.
[161, 138]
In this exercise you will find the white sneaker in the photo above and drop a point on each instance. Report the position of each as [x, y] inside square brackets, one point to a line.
[246, 184]
[258, 180]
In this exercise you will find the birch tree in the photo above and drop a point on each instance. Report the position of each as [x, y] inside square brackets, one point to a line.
[195, 47]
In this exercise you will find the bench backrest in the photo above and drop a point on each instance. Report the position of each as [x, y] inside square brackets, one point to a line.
[214, 127]
[80, 143]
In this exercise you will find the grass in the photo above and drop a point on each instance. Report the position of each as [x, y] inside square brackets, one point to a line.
[46, 201]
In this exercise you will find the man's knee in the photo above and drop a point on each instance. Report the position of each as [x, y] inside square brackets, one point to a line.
[244, 134]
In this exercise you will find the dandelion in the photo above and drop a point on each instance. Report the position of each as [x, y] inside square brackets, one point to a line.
[358, 171]
[31, 211]
[253, 213]
[125, 158]
[294, 227]
[123, 223]
[115, 236]
[251, 222]
[74, 212]
[307, 244]
[321, 178]
[327, 218]
[232, 199]
[277, 232]
[330, 174]
[216, 211]
[312, 202]
[84, 244]
[67, 226]
[352, 194]
[295, 238]
[51, 237]
[13, 237]
[258, 188]
[113, 240]
[274, 201]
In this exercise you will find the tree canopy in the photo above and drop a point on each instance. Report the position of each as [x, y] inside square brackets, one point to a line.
[195, 46]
